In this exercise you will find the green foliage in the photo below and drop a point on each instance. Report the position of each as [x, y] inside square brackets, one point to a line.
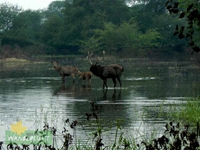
[23, 32]
[56, 8]
[150, 39]
[90, 44]
[117, 38]
[126, 36]
[51, 30]
[27, 25]
[8, 13]
[189, 11]
[191, 111]
[76, 26]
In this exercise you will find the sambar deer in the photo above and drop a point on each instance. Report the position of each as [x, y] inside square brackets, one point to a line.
[113, 71]
[85, 76]
[65, 71]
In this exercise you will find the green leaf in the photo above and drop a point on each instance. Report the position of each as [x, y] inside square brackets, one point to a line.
[190, 7]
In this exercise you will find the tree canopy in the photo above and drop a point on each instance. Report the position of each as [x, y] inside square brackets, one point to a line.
[76, 26]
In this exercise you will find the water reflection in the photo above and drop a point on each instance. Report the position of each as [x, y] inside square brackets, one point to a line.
[74, 90]
[116, 95]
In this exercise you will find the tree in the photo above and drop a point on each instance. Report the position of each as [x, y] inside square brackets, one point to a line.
[91, 44]
[152, 15]
[150, 39]
[83, 17]
[55, 8]
[117, 38]
[144, 12]
[8, 13]
[24, 30]
[27, 25]
[51, 30]
[189, 11]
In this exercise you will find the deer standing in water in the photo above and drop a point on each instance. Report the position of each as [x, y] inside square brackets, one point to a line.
[113, 71]
[85, 76]
[65, 71]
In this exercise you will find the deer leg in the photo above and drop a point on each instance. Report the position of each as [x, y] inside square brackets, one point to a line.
[114, 95]
[63, 79]
[119, 80]
[105, 84]
[73, 76]
[114, 81]
[105, 93]
[89, 81]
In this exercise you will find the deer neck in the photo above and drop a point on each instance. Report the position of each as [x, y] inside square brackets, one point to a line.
[97, 71]
[79, 73]
[57, 68]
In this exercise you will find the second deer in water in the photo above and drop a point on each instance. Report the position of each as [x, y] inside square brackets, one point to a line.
[85, 76]
[113, 71]
[65, 71]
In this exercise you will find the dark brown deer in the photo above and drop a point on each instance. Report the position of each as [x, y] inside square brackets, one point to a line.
[85, 76]
[65, 71]
[113, 71]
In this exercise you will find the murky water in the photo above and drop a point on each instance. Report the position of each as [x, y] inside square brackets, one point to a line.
[34, 95]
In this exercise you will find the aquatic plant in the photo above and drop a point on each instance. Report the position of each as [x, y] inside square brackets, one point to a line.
[175, 137]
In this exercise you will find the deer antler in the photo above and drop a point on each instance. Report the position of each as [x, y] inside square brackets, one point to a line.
[88, 58]
[100, 60]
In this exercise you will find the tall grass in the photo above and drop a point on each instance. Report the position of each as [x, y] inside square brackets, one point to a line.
[189, 112]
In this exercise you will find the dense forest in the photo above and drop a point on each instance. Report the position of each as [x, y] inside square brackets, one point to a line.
[129, 27]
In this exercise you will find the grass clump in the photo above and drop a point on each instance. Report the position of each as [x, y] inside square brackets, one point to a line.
[190, 111]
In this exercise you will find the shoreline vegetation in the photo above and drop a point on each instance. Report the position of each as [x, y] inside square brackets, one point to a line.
[176, 135]
[176, 66]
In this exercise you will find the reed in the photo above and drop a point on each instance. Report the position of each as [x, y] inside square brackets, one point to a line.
[189, 111]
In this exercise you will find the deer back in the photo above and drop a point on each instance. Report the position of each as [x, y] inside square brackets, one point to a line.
[111, 71]
[108, 71]
[118, 69]
[68, 70]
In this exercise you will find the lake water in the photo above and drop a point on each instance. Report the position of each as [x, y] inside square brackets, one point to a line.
[33, 94]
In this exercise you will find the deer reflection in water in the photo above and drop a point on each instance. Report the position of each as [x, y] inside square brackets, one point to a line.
[75, 91]
[115, 95]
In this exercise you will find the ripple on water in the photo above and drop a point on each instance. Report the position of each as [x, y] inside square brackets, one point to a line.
[140, 78]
